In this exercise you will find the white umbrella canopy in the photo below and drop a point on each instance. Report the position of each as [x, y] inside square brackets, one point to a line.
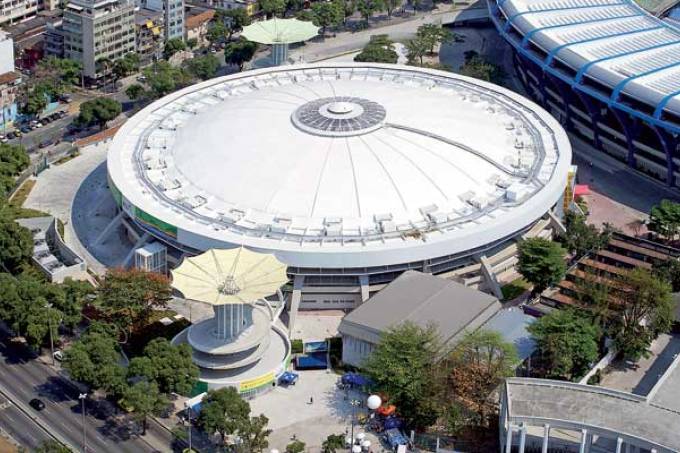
[229, 276]
[280, 31]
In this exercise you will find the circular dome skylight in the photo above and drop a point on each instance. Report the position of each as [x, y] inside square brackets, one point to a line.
[340, 116]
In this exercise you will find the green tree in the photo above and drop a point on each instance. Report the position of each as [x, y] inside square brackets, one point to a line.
[217, 32]
[143, 399]
[647, 311]
[416, 48]
[368, 7]
[272, 8]
[566, 342]
[475, 367]
[664, 219]
[98, 111]
[239, 52]
[223, 411]
[94, 360]
[235, 19]
[253, 434]
[297, 446]
[204, 67]
[433, 35]
[541, 262]
[348, 7]
[478, 68]
[172, 46]
[333, 443]
[168, 366]
[16, 245]
[581, 238]
[380, 49]
[403, 367]
[162, 78]
[128, 296]
[192, 43]
[52, 446]
[75, 295]
[55, 70]
[668, 271]
[327, 14]
[135, 92]
[36, 101]
[127, 65]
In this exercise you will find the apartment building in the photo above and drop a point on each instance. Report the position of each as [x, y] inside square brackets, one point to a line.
[149, 26]
[12, 11]
[173, 11]
[96, 30]
[9, 82]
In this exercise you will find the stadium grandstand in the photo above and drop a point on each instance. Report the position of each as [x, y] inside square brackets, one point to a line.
[607, 69]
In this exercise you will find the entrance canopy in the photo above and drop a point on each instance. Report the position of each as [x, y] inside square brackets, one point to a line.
[229, 276]
[280, 31]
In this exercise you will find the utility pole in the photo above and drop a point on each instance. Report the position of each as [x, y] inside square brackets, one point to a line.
[82, 397]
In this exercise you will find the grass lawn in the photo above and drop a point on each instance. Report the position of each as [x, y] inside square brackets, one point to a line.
[515, 288]
[17, 201]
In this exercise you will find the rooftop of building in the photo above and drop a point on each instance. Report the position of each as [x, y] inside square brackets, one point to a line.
[602, 409]
[34, 25]
[615, 42]
[422, 299]
[144, 15]
[199, 18]
[342, 157]
[512, 324]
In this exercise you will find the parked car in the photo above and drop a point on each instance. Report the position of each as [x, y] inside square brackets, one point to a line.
[65, 98]
[59, 355]
[25, 129]
[37, 404]
[45, 144]
[11, 136]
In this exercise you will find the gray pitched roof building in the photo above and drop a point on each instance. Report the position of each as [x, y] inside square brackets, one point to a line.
[422, 299]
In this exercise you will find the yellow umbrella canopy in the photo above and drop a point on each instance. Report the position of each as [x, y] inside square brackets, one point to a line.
[232, 276]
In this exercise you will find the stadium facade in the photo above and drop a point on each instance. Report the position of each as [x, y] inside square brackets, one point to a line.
[349, 173]
[607, 70]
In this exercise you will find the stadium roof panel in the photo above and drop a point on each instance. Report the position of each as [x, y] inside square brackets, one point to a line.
[613, 41]
[343, 158]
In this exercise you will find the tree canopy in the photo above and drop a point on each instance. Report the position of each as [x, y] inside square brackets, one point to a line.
[16, 245]
[368, 7]
[327, 14]
[272, 7]
[403, 367]
[253, 434]
[98, 111]
[380, 49]
[580, 237]
[162, 78]
[481, 69]
[168, 366]
[333, 443]
[128, 296]
[203, 67]
[475, 367]
[13, 160]
[664, 219]
[566, 342]
[94, 360]
[541, 262]
[223, 411]
[239, 52]
[234, 20]
[143, 399]
[172, 46]
[647, 311]
[127, 65]
[433, 35]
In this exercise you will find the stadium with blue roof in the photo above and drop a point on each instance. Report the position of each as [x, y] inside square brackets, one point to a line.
[608, 70]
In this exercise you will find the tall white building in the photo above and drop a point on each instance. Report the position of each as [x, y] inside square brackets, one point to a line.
[95, 30]
[174, 16]
[6, 53]
[14, 10]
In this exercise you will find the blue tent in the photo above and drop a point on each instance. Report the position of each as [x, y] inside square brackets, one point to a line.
[355, 379]
[392, 422]
[288, 378]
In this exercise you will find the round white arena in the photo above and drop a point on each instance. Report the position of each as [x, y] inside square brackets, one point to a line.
[349, 173]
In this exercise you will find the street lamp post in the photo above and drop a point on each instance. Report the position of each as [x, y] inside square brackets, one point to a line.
[354, 403]
[82, 397]
[49, 324]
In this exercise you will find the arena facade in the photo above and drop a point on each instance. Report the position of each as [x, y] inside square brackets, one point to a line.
[607, 69]
[349, 173]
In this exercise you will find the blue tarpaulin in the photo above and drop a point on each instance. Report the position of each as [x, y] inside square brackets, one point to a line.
[355, 379]
[391, 423]
[395, 438]
[311, 362]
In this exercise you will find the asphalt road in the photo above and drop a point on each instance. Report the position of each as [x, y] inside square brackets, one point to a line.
[22, 379]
